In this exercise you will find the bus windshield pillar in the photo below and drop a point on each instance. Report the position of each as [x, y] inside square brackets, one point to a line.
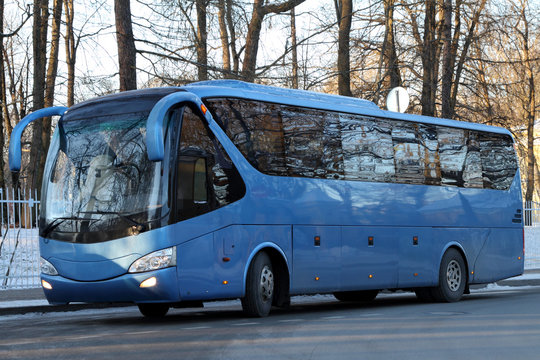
[16, 134]
[156, 121]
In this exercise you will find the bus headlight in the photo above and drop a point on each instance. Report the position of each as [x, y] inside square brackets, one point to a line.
[157, 260]
[46, 267]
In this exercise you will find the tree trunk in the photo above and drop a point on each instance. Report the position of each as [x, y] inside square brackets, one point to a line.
[252, 41]
[294, 51]
[71, 53]
[232, 32]
[388, 62]
[461, 62]
[343, 60]
[447, 69]
[3, 109]
[127, 65]
[531, 111]
[50, 82]
[530, 140]
[39, 39]
[429, 80]
[202, 54]
[224, 36]
[254, 30]
[391, 55]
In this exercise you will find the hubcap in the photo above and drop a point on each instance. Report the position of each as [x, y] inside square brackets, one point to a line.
[266, 285]
[453, 275]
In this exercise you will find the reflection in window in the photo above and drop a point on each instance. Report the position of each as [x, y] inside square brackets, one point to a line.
[498, 161]
[367, 149]
[285, 140]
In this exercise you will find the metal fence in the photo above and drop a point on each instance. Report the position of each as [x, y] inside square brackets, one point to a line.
[531, 212]
[19, 242]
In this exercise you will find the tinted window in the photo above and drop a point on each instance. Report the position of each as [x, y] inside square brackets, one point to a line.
[205, 179]
[291, 141]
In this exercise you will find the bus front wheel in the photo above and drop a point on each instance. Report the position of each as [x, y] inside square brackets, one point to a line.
[153, 310]
[259, 287]
[452, 277]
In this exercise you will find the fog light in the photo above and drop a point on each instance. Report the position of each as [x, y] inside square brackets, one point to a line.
[46, 285]
[149, 282]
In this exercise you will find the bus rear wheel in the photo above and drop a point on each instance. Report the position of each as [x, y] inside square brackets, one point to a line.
[452, 277]
[259, 287]
[358, 296]
[153, 310]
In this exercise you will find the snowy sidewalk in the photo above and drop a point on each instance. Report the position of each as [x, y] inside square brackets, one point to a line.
[33, 300]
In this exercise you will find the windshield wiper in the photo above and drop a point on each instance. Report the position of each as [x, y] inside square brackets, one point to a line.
[120, 215]
[56, 222]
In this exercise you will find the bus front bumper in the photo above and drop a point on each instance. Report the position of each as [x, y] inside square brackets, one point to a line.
[124, 288]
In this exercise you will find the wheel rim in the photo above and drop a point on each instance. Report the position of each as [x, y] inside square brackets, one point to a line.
[453, 275]
[266, 285]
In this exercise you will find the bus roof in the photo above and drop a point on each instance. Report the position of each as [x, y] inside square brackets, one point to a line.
[310, 99]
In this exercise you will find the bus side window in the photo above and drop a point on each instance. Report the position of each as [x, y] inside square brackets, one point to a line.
[206, 178]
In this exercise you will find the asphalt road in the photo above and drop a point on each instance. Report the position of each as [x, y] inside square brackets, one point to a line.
[502, 324]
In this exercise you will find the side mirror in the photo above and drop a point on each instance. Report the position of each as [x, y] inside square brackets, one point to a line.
[155, 124]
[15, 141]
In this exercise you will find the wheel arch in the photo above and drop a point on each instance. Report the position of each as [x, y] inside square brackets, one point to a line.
[281, 269]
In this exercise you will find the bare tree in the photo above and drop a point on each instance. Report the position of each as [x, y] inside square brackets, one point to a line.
[39, 42]
[388, 75]
[447, 66]
[254, 30]
[294, 51]
[429, 60]
[50, 81]
[71, 52]
[127, 64]
[224, 36]
[522, 28]
[344, 10]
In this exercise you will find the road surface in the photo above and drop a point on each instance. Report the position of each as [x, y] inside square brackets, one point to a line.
[489, 324]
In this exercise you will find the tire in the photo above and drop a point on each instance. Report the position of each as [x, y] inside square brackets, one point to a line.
[153, 310]
[452, 277]
[357, 296]
[260, 287]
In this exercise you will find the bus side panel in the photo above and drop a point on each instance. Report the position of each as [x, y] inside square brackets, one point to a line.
[213, 266]
[417, 258]
[501, 257]
[471, 241]
[369, 258]
[316, 259]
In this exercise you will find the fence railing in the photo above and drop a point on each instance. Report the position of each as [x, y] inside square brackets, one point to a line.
[531, 213]
[19, 241]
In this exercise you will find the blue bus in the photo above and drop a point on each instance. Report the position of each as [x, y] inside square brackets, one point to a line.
[170, 197]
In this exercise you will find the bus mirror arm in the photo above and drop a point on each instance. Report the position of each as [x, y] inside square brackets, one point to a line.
[16, 134]
[155, 132]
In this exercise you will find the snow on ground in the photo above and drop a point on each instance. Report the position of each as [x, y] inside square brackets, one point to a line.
[22, 303]
[532, 247]
[19, 258]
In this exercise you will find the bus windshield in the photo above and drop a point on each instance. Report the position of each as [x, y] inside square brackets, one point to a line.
[100, 184]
